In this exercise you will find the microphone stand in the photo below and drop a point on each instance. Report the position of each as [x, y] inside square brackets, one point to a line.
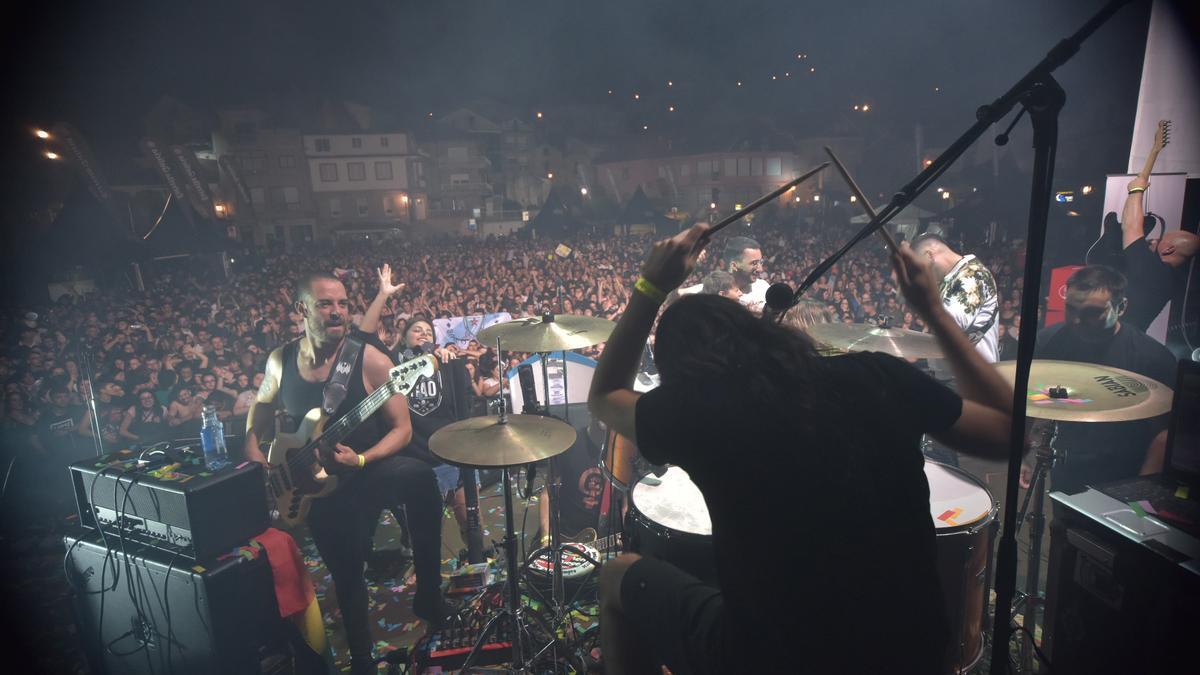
[85, 372]
[1043, 98]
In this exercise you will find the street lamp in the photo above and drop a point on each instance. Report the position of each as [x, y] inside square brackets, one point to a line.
[816, 198]
[583, 191]
[550, 175]
[41, 133]
[1086, 189]
[50, 154]
[539, 115]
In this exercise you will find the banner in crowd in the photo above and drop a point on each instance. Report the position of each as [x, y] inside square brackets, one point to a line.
[162, 161]
[462, 329]
[193, 183]
[79, 153]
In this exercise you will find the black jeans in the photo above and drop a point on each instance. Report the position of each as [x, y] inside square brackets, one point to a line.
[341, 525]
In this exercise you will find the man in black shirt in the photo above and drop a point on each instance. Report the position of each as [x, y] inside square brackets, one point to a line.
[1153, 268]
[766, 427]
[1095, 332]
[58, 443]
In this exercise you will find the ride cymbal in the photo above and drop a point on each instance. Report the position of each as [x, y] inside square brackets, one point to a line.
[1069, 391]
[485, 442]
[548, 333]
[865, 337]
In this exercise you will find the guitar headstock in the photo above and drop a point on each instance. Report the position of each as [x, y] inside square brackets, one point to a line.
[1162, 136]
[404, 376]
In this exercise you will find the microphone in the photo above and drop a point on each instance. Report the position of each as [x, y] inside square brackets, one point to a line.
[779, 298]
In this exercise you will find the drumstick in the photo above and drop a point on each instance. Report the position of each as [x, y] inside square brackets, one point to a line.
[764, 199]
[870, 210]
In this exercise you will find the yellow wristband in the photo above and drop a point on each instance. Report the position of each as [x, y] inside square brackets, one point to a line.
[362, 461]
[650, 290]
[1136, 189]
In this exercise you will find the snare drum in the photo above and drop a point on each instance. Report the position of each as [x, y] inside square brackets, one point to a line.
[668, 519]
[964, 515]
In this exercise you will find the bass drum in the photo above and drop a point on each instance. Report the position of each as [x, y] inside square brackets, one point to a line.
[964, 517]
[668, 519]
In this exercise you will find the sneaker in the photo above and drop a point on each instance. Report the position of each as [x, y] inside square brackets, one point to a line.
[431, 608]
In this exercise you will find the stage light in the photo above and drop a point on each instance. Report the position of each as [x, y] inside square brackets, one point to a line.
[403, 199]
[712, 205]
[670, 83]
[941, 189]
[797, 199]
[583, 191]
[866, 107]
[936, 89]
[645, 127]
[550, 175]
[774, 78]
[739, 83]
[737, 207]
[539, 115]
[787, 74]
[671, 108]
[928, 162]
[816, 198]
[1086, 189]
[41, 133]
[812, 70]
[50, 154]
[853, 199]
[610, 92]
[431, 114]
[637, 97]
[856, 107]
[946, 194]
[219, 208]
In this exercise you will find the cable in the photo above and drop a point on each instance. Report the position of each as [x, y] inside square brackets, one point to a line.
[167, 609]
[1033, 643]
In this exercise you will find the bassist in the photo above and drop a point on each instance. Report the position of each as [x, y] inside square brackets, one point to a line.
[372, 475]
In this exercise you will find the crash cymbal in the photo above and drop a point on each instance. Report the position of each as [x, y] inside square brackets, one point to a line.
[484, 442]
[865, 337]
[548, 333]
[1089, 392]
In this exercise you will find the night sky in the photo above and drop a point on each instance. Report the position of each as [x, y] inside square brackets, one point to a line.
[102, 65]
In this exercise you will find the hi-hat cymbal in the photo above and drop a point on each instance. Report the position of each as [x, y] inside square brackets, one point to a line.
[484, 442]
[865, 337]
[549, 333]
[1089, 392]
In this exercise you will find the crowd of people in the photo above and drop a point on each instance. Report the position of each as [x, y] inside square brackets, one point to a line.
[196, 338]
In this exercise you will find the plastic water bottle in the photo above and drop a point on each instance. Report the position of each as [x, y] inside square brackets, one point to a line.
[212, 437]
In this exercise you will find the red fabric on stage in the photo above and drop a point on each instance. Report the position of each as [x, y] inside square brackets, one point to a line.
[293, 589]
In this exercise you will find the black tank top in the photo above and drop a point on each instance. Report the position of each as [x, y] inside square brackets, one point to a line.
[298, 396]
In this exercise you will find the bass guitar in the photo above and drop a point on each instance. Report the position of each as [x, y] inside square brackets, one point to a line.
[298, 463]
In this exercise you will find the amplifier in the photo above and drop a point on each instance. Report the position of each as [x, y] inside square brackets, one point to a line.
[179, 505]
[149, 612]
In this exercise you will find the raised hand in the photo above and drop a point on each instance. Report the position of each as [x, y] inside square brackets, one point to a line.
[672, 260]
[917, 280]
[386, 287]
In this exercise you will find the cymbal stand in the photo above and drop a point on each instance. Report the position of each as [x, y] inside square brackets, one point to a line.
[1042, 439]
[513, 611]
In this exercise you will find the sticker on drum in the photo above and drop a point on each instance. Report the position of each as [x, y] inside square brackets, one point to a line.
[574, 565]
[674, 502]
[956, 498]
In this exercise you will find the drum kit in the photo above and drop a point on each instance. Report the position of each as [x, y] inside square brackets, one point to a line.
[963, 509]
[666, 515]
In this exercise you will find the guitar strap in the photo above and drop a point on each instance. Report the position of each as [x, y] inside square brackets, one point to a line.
[336, 386]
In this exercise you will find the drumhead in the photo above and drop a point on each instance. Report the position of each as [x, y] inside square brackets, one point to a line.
[675, 502]
[956, 498]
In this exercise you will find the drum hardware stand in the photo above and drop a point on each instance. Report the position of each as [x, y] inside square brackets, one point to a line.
[513, 611]
[1047, 456]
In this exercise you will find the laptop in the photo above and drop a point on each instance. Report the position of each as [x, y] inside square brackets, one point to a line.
[1174, 495]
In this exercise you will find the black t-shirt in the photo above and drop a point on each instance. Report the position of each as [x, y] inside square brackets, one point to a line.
[434, 403]
[582, 484]
[1151, 284]
[58, 431]
[831, 500]
[1101, 452]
